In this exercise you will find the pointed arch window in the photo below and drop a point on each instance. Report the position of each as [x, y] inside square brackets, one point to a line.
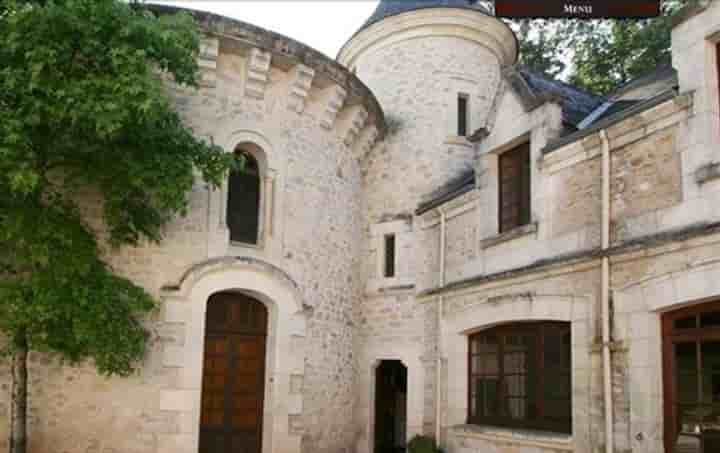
[243, 200]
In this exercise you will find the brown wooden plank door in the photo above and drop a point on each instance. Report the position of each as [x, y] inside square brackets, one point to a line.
[233, 385]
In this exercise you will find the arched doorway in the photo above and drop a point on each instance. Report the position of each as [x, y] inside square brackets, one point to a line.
[233, 382]
[691, 356]
[390, 407]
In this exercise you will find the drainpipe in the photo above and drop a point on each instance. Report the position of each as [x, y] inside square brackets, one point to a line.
[605, 294]
[438, 366]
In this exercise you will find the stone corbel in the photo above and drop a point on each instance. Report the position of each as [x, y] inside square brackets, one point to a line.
[207, 61]
[302, 78]
[258, 72]
[334, 100]
[357, 118]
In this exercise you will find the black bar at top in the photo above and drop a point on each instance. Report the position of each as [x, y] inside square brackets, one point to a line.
[578, 9]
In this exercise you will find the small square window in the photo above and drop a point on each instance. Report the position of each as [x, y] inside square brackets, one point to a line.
[389, 268]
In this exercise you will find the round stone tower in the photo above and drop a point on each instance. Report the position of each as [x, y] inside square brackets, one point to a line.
[426, 61]
[435, 67]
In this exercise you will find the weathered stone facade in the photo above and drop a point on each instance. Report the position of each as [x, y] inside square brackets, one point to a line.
[345, 163]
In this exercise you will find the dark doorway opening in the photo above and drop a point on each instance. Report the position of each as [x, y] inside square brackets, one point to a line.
[233, 383]
[390, 407]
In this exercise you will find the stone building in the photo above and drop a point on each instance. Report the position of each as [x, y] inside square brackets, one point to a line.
[428, 239]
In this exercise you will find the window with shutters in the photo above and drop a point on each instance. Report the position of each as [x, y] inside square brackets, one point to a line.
[514, 188]
[462, 115]
[520, 376]
[243, 201]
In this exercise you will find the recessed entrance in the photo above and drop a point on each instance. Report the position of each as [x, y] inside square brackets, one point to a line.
[390, 407]
[691, 341]
[233, 383]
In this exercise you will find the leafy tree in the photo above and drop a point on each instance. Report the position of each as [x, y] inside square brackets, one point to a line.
[598, 55]
[610, 53]
[82, 108]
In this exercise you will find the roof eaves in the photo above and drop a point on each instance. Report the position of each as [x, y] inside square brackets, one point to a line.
[610, 120]
[464, 186]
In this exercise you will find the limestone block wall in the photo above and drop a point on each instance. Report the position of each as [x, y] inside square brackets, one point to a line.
[309, 120]
[417, 64]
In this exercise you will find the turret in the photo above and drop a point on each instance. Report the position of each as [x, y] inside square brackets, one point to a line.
[435, 66]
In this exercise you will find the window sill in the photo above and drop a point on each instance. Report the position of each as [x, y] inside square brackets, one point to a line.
[458, 140]
[515, 436]
[247, 245]
[524, 230]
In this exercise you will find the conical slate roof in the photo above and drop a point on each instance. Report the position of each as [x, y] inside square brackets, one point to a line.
[387, 8]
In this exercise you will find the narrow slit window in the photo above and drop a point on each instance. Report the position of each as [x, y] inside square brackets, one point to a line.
[389, 268]
[462, 115]
[717, 71]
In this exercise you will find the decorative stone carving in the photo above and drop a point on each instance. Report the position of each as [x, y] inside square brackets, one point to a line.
[335, 98]
[302, 77]
[258, 71]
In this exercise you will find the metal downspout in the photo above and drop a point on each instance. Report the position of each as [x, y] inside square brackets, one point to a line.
[605, 295]
[438, 366]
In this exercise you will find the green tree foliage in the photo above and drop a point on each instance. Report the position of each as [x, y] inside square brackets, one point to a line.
[82, 107]
[597, 55]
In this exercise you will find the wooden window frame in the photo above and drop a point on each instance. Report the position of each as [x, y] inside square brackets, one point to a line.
[540, 330]
[670, 337]
[463, 114]
[521, 184]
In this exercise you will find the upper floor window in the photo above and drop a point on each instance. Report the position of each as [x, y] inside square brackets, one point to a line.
[243, 201]
[462, 116]
[514, 190]
[520, 376]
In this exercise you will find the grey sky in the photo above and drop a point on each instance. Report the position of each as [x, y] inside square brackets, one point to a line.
[323, 25]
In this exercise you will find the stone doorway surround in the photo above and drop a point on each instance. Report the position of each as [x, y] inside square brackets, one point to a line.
[638, 310]
[414, 411]
[185, 304]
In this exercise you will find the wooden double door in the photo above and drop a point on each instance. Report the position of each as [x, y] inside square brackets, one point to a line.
[233, 385]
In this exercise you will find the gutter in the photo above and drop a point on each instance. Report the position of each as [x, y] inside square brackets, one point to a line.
[611, 120]
[438, 367]
[605, 294]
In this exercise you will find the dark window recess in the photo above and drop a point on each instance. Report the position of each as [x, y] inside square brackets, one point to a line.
[462, 115]
[691, 367]
[520, 377]
[390, 255]
[514, 188]
[243, 203]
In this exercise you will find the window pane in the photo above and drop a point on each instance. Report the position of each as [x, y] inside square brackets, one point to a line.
[390, 255]
[711, 371]
[462, 115]
[489, 343]
[686, 323]
[243, 202]
[711, 319]
[686, 357]
[487, 396]
[516, 408]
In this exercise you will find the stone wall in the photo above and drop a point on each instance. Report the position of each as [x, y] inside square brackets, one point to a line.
[417, 64]
[311, 119]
